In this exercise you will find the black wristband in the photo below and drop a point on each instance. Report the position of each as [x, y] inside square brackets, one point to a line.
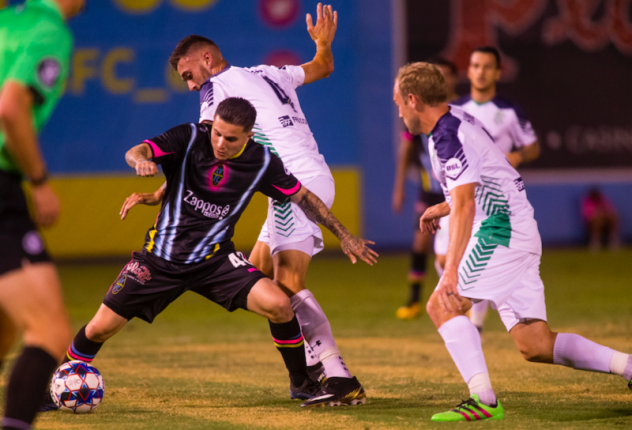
[39, 181]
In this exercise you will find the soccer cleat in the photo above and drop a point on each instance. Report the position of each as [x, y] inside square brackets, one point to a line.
[471, 410]
[307, 390]
[316, 373]
[337, 391]
[409, 312]
[47, 403]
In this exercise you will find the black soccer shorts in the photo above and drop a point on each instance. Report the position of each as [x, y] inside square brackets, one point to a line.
[19, 238]
[424, 201]
[148, 284]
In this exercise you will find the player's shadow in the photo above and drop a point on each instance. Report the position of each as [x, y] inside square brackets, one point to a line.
[578, 414]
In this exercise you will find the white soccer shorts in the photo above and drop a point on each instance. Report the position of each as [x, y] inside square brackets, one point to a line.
[287, 226]
[442, 237]
[508, 278]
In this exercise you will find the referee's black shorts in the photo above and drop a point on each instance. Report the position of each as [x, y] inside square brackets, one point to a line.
[148, 284]
[20, 241]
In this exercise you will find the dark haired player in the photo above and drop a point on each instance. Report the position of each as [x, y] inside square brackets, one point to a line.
[285, 246]
[211, 174]
[413, 151]
[35, 50]
[504, 120]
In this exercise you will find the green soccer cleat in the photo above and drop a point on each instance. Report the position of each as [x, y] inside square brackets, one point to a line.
[471, 410]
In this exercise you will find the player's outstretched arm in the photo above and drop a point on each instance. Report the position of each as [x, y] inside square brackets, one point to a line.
[138, 158]
[149, 199]
[351, 245]
[526, 154]
[323, 35]
[429, 221]
[16, 120]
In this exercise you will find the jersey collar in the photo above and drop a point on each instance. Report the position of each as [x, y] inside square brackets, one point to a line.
[240, 152]
[50, 5]
[440, 121]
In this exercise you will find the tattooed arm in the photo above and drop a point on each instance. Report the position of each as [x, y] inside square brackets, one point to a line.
[317, 211]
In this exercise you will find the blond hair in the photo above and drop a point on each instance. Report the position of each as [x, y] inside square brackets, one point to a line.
[424, 80]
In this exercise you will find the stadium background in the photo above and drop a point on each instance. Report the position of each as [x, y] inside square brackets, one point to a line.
[568, 64]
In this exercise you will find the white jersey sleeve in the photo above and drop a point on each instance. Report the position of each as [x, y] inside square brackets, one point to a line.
[211, 95]
[461, 164]
[292, 75]
[521, 130]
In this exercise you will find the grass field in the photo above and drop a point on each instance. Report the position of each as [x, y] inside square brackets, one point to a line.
[199, 367]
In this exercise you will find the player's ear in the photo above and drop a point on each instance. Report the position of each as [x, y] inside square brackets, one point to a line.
[252, 133]
[414, 102]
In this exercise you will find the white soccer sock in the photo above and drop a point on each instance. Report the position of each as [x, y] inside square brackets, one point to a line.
[574, 351]
[481, 384]
[464, 345]
[317, 331]
[478, 312]
[310, 356]
[438, 268]
[619, 362]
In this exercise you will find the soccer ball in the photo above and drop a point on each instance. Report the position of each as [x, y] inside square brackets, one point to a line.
[77, 387]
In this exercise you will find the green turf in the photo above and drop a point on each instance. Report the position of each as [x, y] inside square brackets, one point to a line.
[199, 367]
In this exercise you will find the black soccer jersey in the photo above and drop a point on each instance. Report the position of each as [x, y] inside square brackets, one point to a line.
[205, 196]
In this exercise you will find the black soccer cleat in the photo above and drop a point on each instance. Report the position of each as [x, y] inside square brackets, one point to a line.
[316, 373]
[47, 404]
[306, 391]
[337, 391]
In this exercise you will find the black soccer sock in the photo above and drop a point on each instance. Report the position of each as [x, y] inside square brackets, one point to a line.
[82, 348]
[415, 292]
[417, 271]
[30, 375]
[289, 341]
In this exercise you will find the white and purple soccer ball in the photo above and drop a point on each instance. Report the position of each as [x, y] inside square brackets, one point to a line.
[77, 387]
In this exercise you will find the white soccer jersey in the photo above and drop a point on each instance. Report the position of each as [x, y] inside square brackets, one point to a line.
[280, 123]
[463, 152]
[503, 119]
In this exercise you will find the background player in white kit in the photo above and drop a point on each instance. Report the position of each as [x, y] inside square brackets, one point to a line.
[288, 239]
[504, 120]
[494, 251]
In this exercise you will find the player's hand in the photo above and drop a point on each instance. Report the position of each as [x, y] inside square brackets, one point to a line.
[47, 205]
[149, 199]
[429, 221]
[326, 24]
[398, 201]
[146, 168]
[356, 247]
[448, 293]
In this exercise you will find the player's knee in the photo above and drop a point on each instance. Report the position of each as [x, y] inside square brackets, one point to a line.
[533, 353]
[433, 307]
[51, 335]
[280, 309]
[99, 331]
